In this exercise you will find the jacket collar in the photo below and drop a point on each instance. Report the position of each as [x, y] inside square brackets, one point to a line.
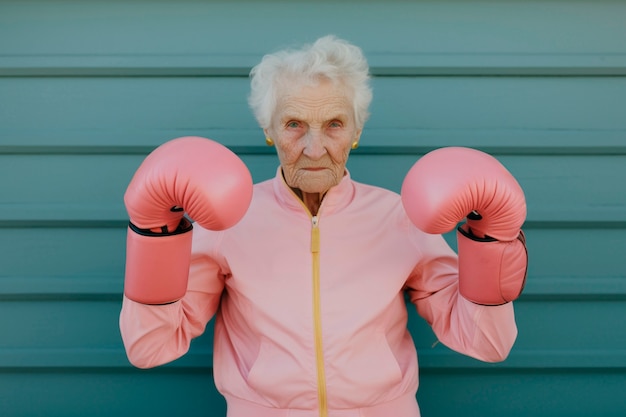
[337, 198]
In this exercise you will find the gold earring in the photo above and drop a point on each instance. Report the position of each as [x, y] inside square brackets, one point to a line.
[355, 144]
[269, 141]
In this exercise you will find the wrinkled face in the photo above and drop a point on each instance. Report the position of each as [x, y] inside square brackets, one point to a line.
[313, 128]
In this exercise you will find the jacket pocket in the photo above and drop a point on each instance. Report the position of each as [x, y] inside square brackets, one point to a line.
[279, 376]
[364, 372]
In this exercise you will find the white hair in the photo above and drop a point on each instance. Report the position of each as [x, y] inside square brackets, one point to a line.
[327, 58]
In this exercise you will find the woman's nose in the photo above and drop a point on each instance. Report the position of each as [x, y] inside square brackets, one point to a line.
[314, 145]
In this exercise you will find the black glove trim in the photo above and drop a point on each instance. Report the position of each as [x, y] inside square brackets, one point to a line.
[183, 227]
[470, 235]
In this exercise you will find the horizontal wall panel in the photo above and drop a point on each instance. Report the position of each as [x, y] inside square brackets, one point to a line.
[81, 105]
[592, 327]
[560, 190]
[589, 287]
[449, 38]
[528, 103]
[576, 360]
[192, 394]
[200, 358]
[576, 253]
[73, 325]
[381, 64]
[79, 190]
[539, 394]
[62, 252]
[98, 288]
[552, 333]
[56, 183]
[406, 29]
[102, 393]
[377, 141]
[526, 114]
[70, 287]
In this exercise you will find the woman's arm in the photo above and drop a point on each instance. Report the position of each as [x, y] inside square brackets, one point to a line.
[486, 333]
[157, 334]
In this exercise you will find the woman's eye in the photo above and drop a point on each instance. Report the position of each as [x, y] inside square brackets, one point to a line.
[334, 124]
[293, 124]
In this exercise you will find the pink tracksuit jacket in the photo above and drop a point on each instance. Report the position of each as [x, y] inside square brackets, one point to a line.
[310, 310]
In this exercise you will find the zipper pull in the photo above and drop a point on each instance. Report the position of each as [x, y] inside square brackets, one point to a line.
[315, 235]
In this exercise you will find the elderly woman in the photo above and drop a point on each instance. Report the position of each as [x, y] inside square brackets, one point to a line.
[306, 273]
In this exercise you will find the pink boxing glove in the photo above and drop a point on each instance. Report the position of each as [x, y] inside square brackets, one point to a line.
[450, 184]
[191, 174]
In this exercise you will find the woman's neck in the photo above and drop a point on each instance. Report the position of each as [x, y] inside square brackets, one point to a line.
[312, 201]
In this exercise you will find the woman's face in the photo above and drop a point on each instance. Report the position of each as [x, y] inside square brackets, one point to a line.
[313, 128]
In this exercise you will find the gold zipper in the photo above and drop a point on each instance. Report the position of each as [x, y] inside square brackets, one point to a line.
[322, 400]
[317, 318]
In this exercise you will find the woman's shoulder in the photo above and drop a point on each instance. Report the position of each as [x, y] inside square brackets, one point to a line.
[375, 191]
[377, 200]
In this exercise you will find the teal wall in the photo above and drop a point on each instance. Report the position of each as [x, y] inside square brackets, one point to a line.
[88, 88]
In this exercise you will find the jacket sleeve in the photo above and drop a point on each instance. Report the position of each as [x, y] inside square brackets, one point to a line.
[486, 333]
[157, 334]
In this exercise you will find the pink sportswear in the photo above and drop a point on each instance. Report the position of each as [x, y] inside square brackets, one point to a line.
[310, 314]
